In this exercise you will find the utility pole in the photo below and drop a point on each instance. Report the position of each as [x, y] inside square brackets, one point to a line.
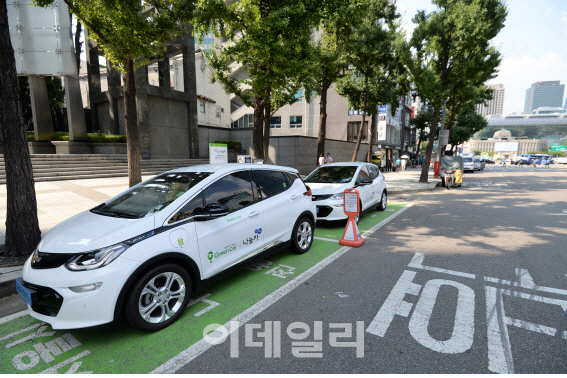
[441, 131]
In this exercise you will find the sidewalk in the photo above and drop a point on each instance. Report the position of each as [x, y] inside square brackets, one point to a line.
[59, 200]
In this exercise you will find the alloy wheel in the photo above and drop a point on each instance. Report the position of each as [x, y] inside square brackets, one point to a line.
[304, 235]
[161, 297]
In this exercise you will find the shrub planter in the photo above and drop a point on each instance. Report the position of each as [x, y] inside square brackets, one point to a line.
[109, 148]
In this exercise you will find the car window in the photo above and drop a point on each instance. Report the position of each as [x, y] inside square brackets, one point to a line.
[270, 183]
[373, 171]
[151, 196]
[233, 190]
[332, 174]
[467, 160]
[194, 206]
[362, 175]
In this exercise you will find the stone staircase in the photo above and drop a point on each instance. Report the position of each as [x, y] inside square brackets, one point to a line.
[53, 167]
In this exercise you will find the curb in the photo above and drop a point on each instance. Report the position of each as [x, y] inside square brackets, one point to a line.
[8, 287]
[402, 191]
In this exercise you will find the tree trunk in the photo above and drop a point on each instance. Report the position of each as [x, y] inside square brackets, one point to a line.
[257, 133]
[371, 136]
[418, 149]
[267, 118]
[431, 140]
[131, 123]
[322, 121]
[22, 225]
[78, 44]
[359, 139]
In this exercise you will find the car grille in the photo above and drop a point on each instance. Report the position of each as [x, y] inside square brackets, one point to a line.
[50, 260]
[323, 211]
[321, 197]
[48, 300]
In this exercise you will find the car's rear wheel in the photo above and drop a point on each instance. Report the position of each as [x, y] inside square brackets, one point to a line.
[302, 236]
[158, 298]
[383, 202]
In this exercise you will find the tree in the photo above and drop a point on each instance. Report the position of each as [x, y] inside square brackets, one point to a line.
[328, 55]
[451, 51]
[130, 32]
[468, 123]
[270, 41]
[22, 225]
[375, 75]
[421, 122]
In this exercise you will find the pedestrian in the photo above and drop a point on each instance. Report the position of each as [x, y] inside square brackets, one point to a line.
[398, 162]
[322, 160]
[388, 164]
[547, 162]
[404, 163]
[383, 164]
[421, 160]
[503, 162]
[329, 158]
[537, 162]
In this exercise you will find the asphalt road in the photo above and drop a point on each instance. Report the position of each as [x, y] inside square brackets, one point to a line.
[471, 280]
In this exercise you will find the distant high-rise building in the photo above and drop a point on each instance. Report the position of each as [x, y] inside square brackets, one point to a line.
[544, 93]
[494, 106]
[565, 105]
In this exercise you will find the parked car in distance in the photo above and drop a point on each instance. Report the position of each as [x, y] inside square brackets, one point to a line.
[488, 161]
[142, 253]
[330, 181]
[520, 161]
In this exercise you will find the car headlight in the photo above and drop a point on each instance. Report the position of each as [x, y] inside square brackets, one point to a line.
[96, 259]
[338, 196]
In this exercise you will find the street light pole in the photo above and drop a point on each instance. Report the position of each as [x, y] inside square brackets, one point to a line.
[441, 131]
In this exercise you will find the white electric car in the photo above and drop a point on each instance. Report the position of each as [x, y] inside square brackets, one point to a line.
[329, 182]
[142, 253]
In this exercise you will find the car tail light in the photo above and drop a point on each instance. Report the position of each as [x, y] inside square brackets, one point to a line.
[308, 192]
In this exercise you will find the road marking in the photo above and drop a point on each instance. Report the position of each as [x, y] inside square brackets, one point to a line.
[21, 331]
[525, 280]
[13, 316]
[509, 180]
[461, 338]
[499, 175]
[525, 190]
[417, 263]
[325, 239]
[531, 173]
[489, 168]
[201, 346]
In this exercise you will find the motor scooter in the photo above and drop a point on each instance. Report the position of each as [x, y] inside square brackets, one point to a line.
[449, 178]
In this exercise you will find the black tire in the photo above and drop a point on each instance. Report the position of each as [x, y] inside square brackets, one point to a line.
[301, 241]
[136, 296]
[383, 202]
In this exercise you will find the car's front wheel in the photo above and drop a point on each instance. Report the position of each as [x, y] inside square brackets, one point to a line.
[302, 236]
[158, 298]
[383, 202]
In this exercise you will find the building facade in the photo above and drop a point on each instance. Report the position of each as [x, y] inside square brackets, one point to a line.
[544, 93]
[503, 143]
[494, 106]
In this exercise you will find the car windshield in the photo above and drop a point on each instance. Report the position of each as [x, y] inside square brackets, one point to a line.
[336, 174]
[152, 196]
[467, 160]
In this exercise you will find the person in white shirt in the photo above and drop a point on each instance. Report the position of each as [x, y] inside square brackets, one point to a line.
[322, 160]
[329, 158]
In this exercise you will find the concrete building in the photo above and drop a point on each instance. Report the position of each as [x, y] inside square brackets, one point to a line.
[494, 106]
[503, 143]
[549, 110]
[544, 93]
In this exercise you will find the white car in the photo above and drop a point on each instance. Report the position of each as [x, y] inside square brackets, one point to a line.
[468, 164]
[144, 252]
[329, 182]
[477, 164]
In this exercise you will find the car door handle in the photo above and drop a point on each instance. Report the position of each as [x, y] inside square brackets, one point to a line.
[294, 196]
[253, 214]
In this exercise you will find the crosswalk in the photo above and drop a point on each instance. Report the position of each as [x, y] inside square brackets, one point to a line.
[525, 169]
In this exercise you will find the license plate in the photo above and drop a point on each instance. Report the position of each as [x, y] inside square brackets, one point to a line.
[317, 210]
[24, 293]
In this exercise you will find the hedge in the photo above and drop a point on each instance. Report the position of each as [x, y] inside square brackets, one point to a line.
[231, 144]
[93, 137]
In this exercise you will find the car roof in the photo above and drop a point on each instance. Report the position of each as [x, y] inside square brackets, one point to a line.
[230, 167]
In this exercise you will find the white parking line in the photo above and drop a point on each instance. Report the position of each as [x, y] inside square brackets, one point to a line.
[499, 175]
[244, 317]
[325, 239]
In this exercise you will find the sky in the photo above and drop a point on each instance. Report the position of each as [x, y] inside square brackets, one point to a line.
[532, 44]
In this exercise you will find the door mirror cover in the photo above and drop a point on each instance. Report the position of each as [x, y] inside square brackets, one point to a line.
[214, 210]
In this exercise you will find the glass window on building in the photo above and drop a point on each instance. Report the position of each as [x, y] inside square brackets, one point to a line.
[276, 123]
[295, 122]
[299, 95]
[352, 111]
[202, 106]
[352, 131]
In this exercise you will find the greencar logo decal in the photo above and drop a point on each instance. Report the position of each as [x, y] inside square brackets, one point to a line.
[216, 255]
[180, 241]
[233, 219]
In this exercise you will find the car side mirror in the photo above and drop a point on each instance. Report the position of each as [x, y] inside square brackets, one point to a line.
[366, 182]
[213, 210]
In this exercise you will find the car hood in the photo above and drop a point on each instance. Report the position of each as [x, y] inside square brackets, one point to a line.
[88, 231]
[324, 188]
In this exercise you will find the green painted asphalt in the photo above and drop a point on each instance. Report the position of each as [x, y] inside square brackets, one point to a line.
[131, 351]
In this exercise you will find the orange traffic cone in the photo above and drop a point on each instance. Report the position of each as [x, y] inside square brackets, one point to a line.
[351, 236]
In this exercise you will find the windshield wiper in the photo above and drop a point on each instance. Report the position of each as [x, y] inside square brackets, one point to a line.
[117, 213]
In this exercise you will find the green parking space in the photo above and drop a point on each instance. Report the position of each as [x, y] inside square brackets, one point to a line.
[29, 346]
[335, 230]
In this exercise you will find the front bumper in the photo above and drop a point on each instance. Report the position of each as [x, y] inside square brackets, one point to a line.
[67, 309]
[330, 210]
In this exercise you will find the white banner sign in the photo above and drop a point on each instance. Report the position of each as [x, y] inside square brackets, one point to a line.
[351, 203]
[218, 153]
[506, 146]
